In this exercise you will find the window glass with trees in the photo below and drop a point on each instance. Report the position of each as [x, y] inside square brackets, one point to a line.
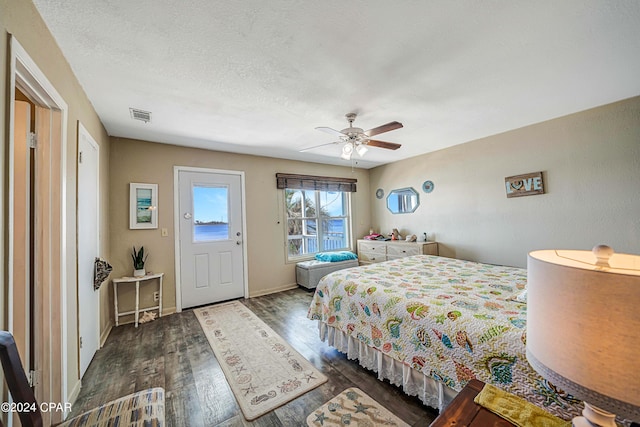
[317, 221]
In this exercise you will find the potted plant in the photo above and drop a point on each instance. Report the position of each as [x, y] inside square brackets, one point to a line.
[139, 259]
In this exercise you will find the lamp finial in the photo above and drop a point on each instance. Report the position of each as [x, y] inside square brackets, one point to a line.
[602, 253]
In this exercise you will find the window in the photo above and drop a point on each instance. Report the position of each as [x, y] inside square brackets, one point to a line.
[210, 213]
[317, 221]
[317, 210]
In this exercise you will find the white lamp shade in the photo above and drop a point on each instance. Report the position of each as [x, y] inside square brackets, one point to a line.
[583, 326]
[347, 151]
[362, 150]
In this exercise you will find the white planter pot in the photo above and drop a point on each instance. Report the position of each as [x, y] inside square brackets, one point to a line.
[139, 273]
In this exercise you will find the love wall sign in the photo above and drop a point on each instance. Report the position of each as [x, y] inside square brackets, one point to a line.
[527, 184]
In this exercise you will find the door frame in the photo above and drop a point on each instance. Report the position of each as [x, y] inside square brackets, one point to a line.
[176, 224]
[26, 75]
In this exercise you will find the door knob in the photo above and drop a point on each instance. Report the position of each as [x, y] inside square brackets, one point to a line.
[238, 242]
[187, 216]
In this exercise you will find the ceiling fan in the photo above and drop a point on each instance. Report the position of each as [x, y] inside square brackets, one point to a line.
[356, 139]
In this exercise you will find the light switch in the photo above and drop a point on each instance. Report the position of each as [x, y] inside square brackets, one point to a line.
[165, 232]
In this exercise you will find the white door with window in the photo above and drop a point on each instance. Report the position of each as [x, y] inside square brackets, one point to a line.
[211, 237]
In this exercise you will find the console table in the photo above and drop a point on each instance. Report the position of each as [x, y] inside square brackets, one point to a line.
[137, 280]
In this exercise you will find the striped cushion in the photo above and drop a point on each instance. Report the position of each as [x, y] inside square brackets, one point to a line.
[142, 409]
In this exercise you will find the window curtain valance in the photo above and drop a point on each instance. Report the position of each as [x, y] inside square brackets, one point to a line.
[308, 182]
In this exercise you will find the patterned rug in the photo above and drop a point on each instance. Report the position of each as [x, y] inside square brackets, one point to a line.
[354, 408]
[264, 372]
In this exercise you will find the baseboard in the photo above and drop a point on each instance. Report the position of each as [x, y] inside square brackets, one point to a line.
[274, 290]
[168, 311]
[75, 392]
[105, 334]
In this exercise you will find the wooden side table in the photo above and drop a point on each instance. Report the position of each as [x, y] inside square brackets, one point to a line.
[137, 281]
[464, 412]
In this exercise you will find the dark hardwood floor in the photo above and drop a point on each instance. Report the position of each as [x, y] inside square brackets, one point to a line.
[172, 352]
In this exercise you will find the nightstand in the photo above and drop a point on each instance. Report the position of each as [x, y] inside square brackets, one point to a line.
[463, 411]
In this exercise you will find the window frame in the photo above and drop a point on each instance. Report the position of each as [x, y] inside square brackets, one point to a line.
[319, 218]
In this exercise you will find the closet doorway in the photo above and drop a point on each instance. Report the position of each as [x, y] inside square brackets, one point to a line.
[36, 236]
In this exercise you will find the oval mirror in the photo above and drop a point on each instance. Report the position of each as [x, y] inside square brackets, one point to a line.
[403, 200]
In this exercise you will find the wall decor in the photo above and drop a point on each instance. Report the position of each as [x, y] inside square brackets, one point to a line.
[427, 186]
[403, 200]
[379, 193]
[143, 206]
[527, 184]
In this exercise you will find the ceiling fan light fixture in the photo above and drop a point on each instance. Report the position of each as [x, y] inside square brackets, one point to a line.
[347, 151]
[358, 140]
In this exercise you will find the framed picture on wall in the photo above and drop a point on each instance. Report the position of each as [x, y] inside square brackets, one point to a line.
[143, 205]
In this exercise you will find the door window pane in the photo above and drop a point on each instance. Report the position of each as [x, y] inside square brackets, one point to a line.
[210, 213]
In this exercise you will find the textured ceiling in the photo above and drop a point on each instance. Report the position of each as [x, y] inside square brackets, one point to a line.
[258, 76]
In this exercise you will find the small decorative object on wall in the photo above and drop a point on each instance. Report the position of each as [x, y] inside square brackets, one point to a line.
[143, 205]
[379, 193]
[101, 270]
[527, 184]
[427, 186]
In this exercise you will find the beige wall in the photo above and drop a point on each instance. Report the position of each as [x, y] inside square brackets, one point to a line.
[21, 19]
[590, 163]
[591, 168]
[147, 162]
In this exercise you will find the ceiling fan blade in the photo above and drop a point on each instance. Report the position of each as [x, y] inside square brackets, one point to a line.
[330, 131]
[318, 146]
[384, 128]
[382, 144]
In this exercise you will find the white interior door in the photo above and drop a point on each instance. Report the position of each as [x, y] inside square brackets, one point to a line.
[88, 247]
[211, 237]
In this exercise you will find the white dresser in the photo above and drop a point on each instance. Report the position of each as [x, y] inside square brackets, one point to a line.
[370, 251]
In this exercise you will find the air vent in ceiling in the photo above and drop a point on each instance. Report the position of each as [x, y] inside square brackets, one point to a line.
[141, 115]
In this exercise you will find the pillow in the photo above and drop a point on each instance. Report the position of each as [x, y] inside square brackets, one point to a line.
[335, 256]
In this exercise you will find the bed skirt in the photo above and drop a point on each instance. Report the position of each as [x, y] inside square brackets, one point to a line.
[414, 383]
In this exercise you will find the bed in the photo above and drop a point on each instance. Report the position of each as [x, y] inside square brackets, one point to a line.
[430, 324]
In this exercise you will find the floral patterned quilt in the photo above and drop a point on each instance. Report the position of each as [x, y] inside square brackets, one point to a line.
[452, 320]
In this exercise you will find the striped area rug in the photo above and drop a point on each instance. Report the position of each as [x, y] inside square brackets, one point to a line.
[263, 370]
[353, 408]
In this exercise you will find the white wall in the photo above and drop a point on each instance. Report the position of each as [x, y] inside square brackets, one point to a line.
[591, 167]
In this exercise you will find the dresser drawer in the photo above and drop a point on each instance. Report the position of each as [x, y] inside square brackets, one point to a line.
[374, 247]
[372, 256]
[402, 250]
